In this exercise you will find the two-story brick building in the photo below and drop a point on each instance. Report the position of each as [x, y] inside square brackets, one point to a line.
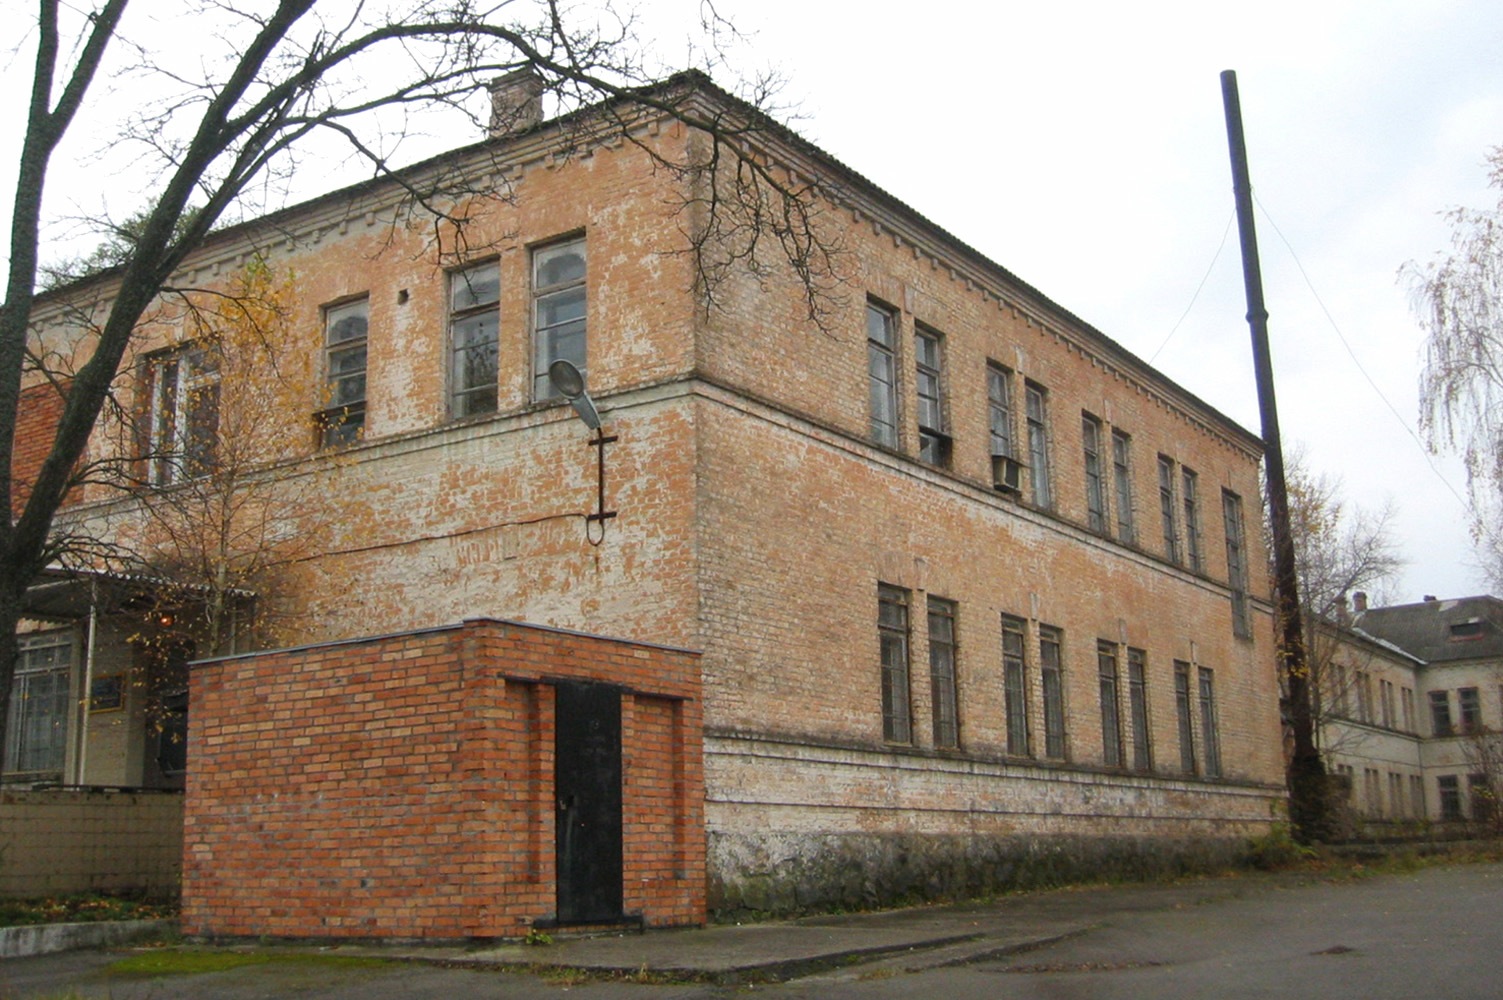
[978, 595]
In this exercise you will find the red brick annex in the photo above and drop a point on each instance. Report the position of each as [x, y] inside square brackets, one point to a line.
[449, 782]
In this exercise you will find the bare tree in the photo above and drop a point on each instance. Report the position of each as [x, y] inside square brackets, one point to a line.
[223, 133]
[1482, 746]
[1458, 298]
[1339, 549]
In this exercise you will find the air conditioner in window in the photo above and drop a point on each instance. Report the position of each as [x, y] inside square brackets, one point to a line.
[1007, 474]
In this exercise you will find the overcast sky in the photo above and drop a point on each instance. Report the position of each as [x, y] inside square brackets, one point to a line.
[1083, 147]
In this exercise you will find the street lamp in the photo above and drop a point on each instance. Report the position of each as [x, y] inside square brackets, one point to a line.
[568, 382]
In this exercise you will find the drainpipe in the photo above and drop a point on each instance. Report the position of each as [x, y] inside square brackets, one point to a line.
[88, 688]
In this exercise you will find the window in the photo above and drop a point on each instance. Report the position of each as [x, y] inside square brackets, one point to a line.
[474, 293]
[1189, 496]
[1480, 792]
[942, 672]
[1185, 709]
[1385, 703]
[1470, 703]
[1364, 697]
[184, 428]
[882, 373]
[558, 312]
[1406, 702]
[1210, 737]
[1395, 794]
[999, 409]
[1440, 713]
[1014, 685]
[345, 327]
[1372, 793]
[1236, 563]
[1053, 685]
[1166, 508]
[1449, 787]
[1341, 691]
[892, 629]
[36, 733]
[1122, 481]
[934, 443]
[1038, 443]
[1416, 796]
[1095, 485]
[1137, 709]
[1111, 709]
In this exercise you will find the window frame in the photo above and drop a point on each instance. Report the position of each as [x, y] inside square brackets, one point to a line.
[882, 386]
[1449, 788]
[1190, 502]
[1036, 416]
[1138, 710]
[1166, 509]
[1210, 727]
[1111, 703]
[546, 337]
[1184, 707]
[929, 390]
[999, 410]
[1441, 720]
[895, 651]
[31, 714]
[1095, 480]
[1052, 690]
[1469, 709]
[182, 433]
[944, 651]
[462, 394]
[1015, 684]
[342, 421]
[1236, 563]
[1127, 530]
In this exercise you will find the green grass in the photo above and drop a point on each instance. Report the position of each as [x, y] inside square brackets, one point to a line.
[81, 908]
[196, 961]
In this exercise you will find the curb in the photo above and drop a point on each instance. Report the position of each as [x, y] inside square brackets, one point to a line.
[45, 939]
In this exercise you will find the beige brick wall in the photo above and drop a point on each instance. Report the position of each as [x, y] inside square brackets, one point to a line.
[78, 841]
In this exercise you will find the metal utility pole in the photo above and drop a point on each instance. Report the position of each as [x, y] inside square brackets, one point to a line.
[1308, 804]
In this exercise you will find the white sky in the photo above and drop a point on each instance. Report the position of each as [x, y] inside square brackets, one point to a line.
[1082, 146]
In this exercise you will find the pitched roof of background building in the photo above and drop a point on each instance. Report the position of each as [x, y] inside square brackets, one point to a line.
[1466, 628]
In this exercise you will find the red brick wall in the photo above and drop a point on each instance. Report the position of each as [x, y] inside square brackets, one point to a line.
[402, 786]
[40, 409]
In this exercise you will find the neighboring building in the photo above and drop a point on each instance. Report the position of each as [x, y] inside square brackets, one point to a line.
[979, 596]
[1428, 700]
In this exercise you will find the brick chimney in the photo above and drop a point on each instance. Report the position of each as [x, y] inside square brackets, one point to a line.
[516, 102]
[1359, 601]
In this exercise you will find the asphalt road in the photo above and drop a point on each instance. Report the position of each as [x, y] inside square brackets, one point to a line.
[1436, 933]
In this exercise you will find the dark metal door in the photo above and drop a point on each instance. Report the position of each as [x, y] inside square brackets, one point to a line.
[587, 789]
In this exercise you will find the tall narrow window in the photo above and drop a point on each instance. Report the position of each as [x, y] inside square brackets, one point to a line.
[892, 630]
[999, 409]
[1236, 563]
[1053, 687]
[345, 327]
[1189, 495]
[1385, 702]
[1014, 685]
[1470, 703]
[473, 320]
[184, 396]
[1416, 797]
[1095, 484]
[1038, 444]
[1440, 714]
[1184, 708]
[1122, 482]
[1406, 702]
[1210, 737]
[1449, 786]
[1137, 706]
[934, 443]
[942, 673]
[36, 732]
[882, 373]
[1166, 508]
[558, 311]
[1111, 708]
